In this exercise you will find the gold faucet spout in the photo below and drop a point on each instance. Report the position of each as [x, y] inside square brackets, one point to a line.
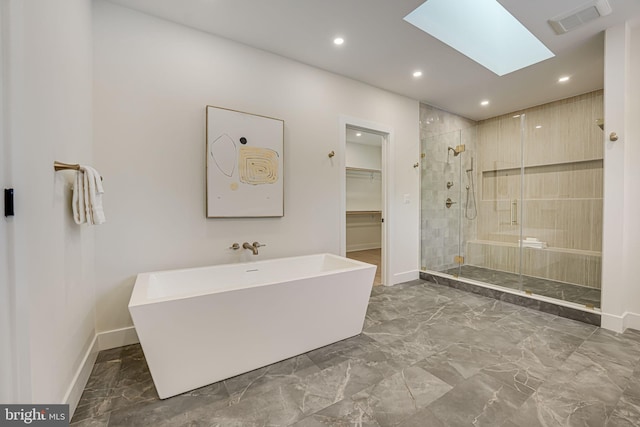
[252, 248]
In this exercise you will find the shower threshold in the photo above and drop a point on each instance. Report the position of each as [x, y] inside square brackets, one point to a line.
[562, 299]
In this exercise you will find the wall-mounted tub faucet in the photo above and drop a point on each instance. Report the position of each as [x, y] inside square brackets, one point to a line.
[253, 247]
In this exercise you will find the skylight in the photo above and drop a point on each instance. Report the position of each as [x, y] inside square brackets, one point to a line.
[483, 30]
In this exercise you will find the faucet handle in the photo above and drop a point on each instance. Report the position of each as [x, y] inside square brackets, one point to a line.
[235, 246]
[258, 245]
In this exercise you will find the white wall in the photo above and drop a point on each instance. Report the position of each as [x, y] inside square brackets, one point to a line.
[48, 82]
[363, 155]
[621, 230]
[152, 80]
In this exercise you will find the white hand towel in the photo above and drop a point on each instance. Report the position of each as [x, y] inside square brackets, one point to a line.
[78, 199]
[93, 192]
[87, 197]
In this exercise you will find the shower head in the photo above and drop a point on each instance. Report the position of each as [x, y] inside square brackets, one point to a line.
[459, 149]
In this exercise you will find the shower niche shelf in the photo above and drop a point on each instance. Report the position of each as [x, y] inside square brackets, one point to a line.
[582, 163]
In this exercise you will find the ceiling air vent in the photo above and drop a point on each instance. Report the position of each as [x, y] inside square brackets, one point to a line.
[587, 12]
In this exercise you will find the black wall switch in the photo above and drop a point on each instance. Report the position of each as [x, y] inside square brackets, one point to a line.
[8, 202]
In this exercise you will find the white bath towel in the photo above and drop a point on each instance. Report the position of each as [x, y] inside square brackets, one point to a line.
[87, 197]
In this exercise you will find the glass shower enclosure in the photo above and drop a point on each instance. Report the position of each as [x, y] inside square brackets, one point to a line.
[516, 202]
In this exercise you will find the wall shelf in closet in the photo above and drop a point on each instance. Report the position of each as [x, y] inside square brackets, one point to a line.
[352, 169]
[363, 212]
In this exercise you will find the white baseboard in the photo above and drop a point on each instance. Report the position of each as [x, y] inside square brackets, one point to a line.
[407, 276]
[101, 341]
[79, 381]
[612, 322]
[619, 324]
[632, 320]
[117, 338]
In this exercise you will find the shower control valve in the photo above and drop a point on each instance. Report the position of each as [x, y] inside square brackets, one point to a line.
[449, 202]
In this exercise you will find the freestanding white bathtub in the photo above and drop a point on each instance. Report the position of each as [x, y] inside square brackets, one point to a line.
[202, 325]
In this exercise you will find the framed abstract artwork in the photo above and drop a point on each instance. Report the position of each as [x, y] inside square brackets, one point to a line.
[244, 164]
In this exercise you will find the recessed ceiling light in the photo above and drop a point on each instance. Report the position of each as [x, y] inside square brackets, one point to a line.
[482, 30]
[538, 126]
[484, 103]
[563, 79]
[358, 134]
[417, 73]
[338, 41]
[516, 116]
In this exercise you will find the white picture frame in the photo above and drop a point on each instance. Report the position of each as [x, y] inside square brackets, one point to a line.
[245, 164]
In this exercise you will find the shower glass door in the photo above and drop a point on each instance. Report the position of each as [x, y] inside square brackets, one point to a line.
[562, 201]
[492, 206]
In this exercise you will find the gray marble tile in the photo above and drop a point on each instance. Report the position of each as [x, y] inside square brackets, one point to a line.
[288, 371]
[516, 376]
[485, 315]
[393, 330]
[384, 311]
[334, 384]
[397, 397]
[99, 421]
[277, 407]
[175, 411]
[633, 387]
[593, 379]
[122, 396]
[540, 354]
[354, 411]
[423, 418]
[572, 327]
[95, 400]
[119, 353]
[554, 407]
[340, 351]
[608, 347]
[479, 401]
[460, 362]
[626, 413]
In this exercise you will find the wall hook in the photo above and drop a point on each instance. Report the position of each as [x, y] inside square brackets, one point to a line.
[613, 136]
[415, 165]
[331, 153]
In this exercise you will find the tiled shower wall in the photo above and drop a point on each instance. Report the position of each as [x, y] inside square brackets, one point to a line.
[441, 228]
[563, 151]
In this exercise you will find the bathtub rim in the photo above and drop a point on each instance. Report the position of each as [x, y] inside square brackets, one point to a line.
[142, 282]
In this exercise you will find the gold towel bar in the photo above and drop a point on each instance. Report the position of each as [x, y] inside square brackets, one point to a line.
[59, 166]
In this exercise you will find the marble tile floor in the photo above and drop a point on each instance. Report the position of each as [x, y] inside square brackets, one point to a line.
[430, 355]
[549, 288]
[371, 256]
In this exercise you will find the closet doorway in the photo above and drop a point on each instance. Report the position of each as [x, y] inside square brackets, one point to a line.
[364, 197]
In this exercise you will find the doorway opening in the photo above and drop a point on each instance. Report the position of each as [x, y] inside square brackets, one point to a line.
[364, 200]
